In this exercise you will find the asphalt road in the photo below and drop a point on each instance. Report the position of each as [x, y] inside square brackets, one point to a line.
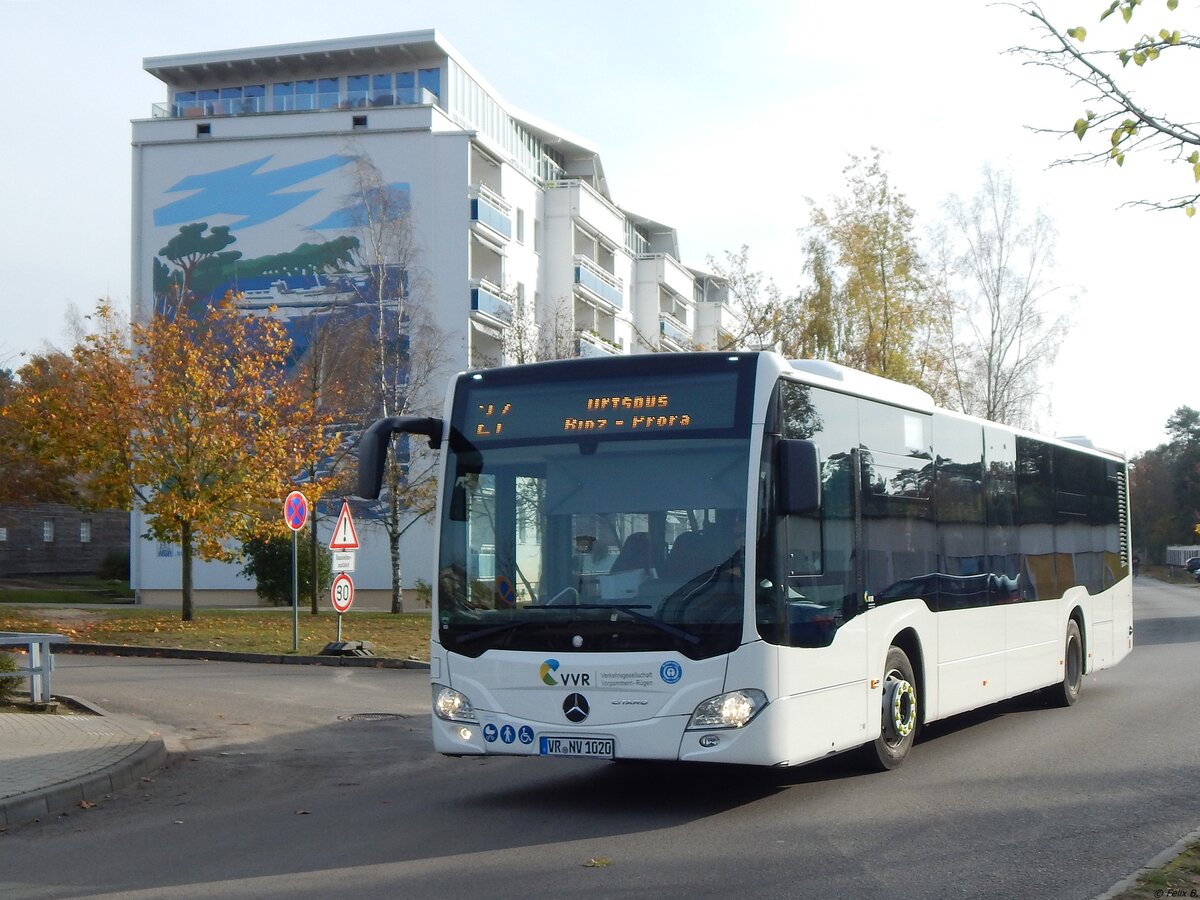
[270, 794]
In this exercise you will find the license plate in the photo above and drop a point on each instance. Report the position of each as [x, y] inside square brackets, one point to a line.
[601, 748]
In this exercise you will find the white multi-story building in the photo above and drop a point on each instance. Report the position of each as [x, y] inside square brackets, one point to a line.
[520, 246]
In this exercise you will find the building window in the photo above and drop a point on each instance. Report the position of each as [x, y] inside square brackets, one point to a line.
[3, 535]
[430, 80]
[203, 130]
[358, 122]
[406, 87]
[47, 531]
[254, 98]
[283, 93]
[85, 531]
[357, 87]
[520, 225]
[327, 93]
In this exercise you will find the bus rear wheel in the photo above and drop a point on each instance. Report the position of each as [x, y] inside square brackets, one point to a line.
[1067, 691]
[899, 713]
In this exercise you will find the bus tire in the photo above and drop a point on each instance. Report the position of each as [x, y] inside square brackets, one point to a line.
[900, 715]
[1066, 692]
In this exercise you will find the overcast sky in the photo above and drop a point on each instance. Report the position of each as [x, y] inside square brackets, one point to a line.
[721, 119]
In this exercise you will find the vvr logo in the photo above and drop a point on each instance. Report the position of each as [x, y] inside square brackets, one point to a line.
[574, 679]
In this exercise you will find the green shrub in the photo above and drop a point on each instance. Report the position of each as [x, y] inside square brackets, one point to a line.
[114, 566]
[269, 562]
[11, 684]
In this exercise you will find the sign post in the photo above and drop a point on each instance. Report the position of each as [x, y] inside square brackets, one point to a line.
[295, 514]
[343, 543]
[341, 595]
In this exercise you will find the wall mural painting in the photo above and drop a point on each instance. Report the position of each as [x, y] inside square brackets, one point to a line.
[315, 284]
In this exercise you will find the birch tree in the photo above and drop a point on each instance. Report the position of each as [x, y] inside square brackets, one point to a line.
[997, 281]
[404, 370]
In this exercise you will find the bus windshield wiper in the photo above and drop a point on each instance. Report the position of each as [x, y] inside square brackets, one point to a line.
[490, 630]
[631, 609]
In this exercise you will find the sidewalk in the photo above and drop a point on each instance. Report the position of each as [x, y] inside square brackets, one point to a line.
[51, 763]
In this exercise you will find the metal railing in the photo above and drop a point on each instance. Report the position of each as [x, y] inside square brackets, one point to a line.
[488, 299]
[327, 100]
[602, 284]
[41, 660]
[490, 209]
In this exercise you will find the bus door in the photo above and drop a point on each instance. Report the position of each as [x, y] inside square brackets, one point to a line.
[823, 670]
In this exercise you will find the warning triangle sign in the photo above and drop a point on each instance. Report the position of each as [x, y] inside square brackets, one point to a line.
[344, 535]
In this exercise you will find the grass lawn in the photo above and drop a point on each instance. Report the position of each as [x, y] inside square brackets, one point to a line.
[404, 636]
[64, 589]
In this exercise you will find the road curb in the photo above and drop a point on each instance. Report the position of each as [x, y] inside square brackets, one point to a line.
[1167, 856]
[94, 787]
[362, 662]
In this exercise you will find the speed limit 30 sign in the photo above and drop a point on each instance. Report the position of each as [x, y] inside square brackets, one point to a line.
[341, 592]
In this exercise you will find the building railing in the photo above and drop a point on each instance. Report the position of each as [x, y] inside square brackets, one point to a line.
[602, 284]
[672, 273]
[618, 217]
[328, 100]
[41, 660]
[591, 345]
[488, 299]
[490, 209]
[674, 331]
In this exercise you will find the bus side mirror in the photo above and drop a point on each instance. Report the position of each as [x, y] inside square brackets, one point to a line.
[372, 447]
[798, 471]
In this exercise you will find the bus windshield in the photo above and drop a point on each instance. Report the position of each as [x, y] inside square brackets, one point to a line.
[555, 537]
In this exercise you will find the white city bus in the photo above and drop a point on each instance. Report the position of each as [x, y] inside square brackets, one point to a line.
[727, 557]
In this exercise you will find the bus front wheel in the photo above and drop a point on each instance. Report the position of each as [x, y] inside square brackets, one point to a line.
[1066, 692]
[900, 717]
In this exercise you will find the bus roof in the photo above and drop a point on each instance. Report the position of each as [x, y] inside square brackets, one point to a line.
[863, 384]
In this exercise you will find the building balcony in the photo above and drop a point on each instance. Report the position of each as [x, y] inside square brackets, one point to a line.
[591, 345]
[489, 304]
[598, 284]
[326, 100]
[668, 272]
[491, 211]
[673, 333]
[585, 204]
[717, 325]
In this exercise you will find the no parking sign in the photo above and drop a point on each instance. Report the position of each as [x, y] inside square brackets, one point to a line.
[295, 510]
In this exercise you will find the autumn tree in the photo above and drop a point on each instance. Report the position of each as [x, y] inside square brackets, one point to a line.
[995, 281]
[870, 297]
[403, 366]
[1127, 109]
[72, 410]
[194, 422]
[32, 474]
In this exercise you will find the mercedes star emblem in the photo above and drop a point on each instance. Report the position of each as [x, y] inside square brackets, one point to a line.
[575, 708]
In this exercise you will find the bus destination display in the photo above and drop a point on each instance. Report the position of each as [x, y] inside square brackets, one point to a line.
[622, 406]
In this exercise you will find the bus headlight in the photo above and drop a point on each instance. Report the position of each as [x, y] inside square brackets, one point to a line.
[452, 706]
[732, 710]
